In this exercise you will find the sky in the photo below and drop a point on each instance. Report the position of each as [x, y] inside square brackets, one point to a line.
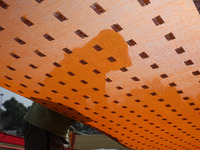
[8, 94]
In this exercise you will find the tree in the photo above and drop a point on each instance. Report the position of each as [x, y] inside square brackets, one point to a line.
[83, 129]
[13, 114]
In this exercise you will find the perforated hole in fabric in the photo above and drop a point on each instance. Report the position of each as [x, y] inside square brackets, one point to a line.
[98, 48]
[33, 66]
[170, 36]
[180, 50]
[196, 73]
[60, 16]
[81, 33]
[131, 42]
[48, 37]
[20, 41]
[158, 20]
[130, 69]
[144, 2]
[39, 53]
[97, 8]
[9, 78]
[1, 28]
[143, 55]
[26, 21]
[14, 55]
[135, 79]
[66, 50]
[11, 68]
[39, 1]
[3, 4]
[116, 27]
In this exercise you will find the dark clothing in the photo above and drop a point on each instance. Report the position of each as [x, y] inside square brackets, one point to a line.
[48, 119]
[45, 129]
[40, 139]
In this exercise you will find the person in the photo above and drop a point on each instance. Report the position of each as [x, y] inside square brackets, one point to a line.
[45, 129]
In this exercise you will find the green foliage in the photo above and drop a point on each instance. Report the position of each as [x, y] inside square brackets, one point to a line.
[83, 129]
[13, 114]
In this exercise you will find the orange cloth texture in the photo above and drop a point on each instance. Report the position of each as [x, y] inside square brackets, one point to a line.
[128, 68]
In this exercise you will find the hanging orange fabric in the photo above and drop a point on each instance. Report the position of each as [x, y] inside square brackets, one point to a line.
[129, 69]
